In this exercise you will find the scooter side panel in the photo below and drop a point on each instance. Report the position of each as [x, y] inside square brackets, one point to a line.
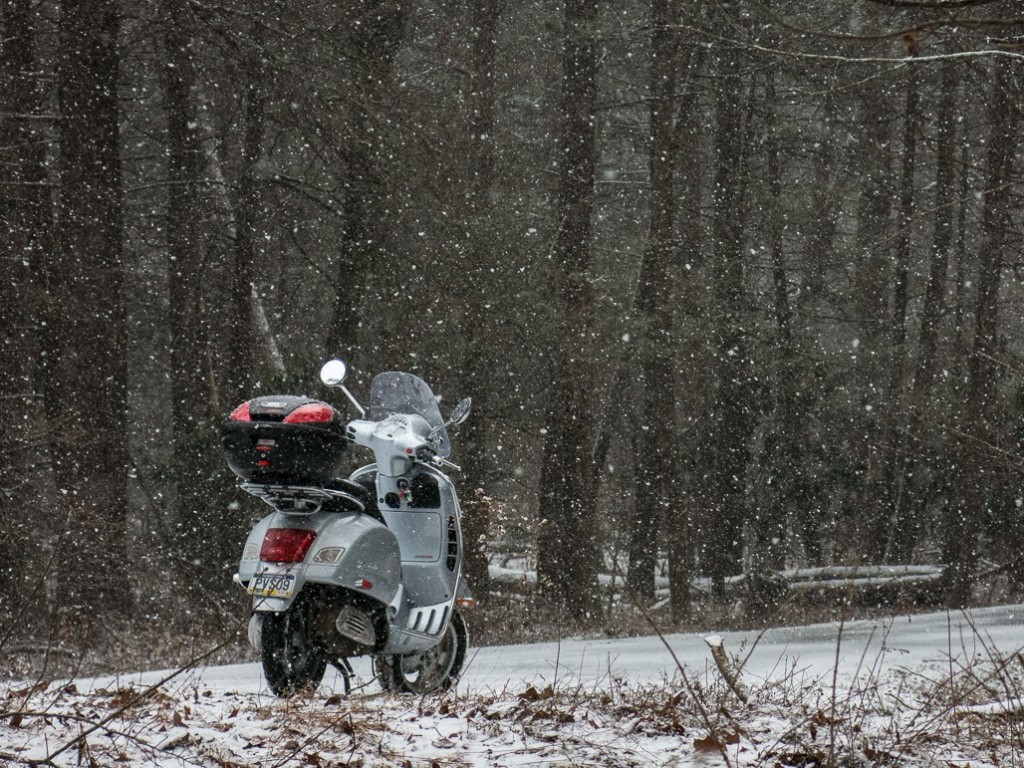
[369, 563]
[430, 576]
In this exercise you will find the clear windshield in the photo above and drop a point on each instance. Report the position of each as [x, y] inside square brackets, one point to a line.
[395, 392]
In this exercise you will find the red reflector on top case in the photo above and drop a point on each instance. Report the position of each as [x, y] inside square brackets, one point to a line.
[286, 545]
[310, 413]
[241, 413]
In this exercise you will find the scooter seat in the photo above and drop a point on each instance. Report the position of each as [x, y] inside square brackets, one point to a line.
[360, 492]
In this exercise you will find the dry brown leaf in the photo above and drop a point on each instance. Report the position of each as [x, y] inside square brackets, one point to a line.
[715, 742]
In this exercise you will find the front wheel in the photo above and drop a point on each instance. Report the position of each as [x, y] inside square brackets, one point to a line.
[436, 668]
[291, 660]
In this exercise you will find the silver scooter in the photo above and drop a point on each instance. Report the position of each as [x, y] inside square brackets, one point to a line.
[369, 565]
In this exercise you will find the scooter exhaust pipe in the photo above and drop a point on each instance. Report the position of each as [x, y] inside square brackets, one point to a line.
[356, 625]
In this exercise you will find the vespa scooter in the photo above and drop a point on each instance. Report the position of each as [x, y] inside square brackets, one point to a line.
[370, 565]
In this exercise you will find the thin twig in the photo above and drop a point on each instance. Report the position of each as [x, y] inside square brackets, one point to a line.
[141, 696]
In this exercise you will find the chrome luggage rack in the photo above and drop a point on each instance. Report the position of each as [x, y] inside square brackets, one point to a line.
[300, 499]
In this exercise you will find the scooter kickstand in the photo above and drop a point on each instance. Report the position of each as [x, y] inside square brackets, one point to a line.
[346, 672]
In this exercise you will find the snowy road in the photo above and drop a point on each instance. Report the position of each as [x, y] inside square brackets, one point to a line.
[903, 642]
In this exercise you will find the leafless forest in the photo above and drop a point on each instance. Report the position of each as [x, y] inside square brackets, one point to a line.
[736, 287]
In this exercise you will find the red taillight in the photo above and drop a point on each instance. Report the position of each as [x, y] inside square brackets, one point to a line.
[241, 413]
[286, 545]
[310, 412]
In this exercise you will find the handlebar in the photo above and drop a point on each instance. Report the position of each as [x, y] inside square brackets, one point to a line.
[396, 440]
[428, 456]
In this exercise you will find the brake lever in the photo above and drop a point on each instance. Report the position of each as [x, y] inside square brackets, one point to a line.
[448, 464]
[437, 461]
[428, 455]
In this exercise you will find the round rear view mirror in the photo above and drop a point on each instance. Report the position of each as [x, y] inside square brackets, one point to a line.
[461, 411]
[333, 373]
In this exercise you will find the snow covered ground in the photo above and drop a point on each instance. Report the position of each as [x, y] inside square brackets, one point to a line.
[928, 690]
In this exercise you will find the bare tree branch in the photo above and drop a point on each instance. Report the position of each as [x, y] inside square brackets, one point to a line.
[924, 26]
[932, 4]
[898, 60]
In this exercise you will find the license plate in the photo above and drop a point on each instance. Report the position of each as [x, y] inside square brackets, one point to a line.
[272, 585]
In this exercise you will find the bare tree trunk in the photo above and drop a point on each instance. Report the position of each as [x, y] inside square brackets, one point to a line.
[25, 210]
[827, 201]
[377, 28]
[481, 359]
[923, 441]
[960, 345]
[942, 239]
[874, 209]
[783, 435]
[973, 481]
[202, 532]
[184, 235]
[732, 417]
[87, 379]
[567, 547]
[888, 499]
[655, 457]
[689, 239]
[484, 15]
[243, 354]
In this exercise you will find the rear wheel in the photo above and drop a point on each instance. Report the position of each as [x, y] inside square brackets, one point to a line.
[291, 660]
[436, 668]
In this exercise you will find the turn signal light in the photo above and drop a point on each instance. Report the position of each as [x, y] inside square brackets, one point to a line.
[286, 545]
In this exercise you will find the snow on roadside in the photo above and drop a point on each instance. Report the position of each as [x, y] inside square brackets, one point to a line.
[936, 690]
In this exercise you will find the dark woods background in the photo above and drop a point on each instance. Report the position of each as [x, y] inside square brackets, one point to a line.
[735, 286]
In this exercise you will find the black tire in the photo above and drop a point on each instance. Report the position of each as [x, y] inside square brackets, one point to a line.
[435, 669]
[292, 662]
